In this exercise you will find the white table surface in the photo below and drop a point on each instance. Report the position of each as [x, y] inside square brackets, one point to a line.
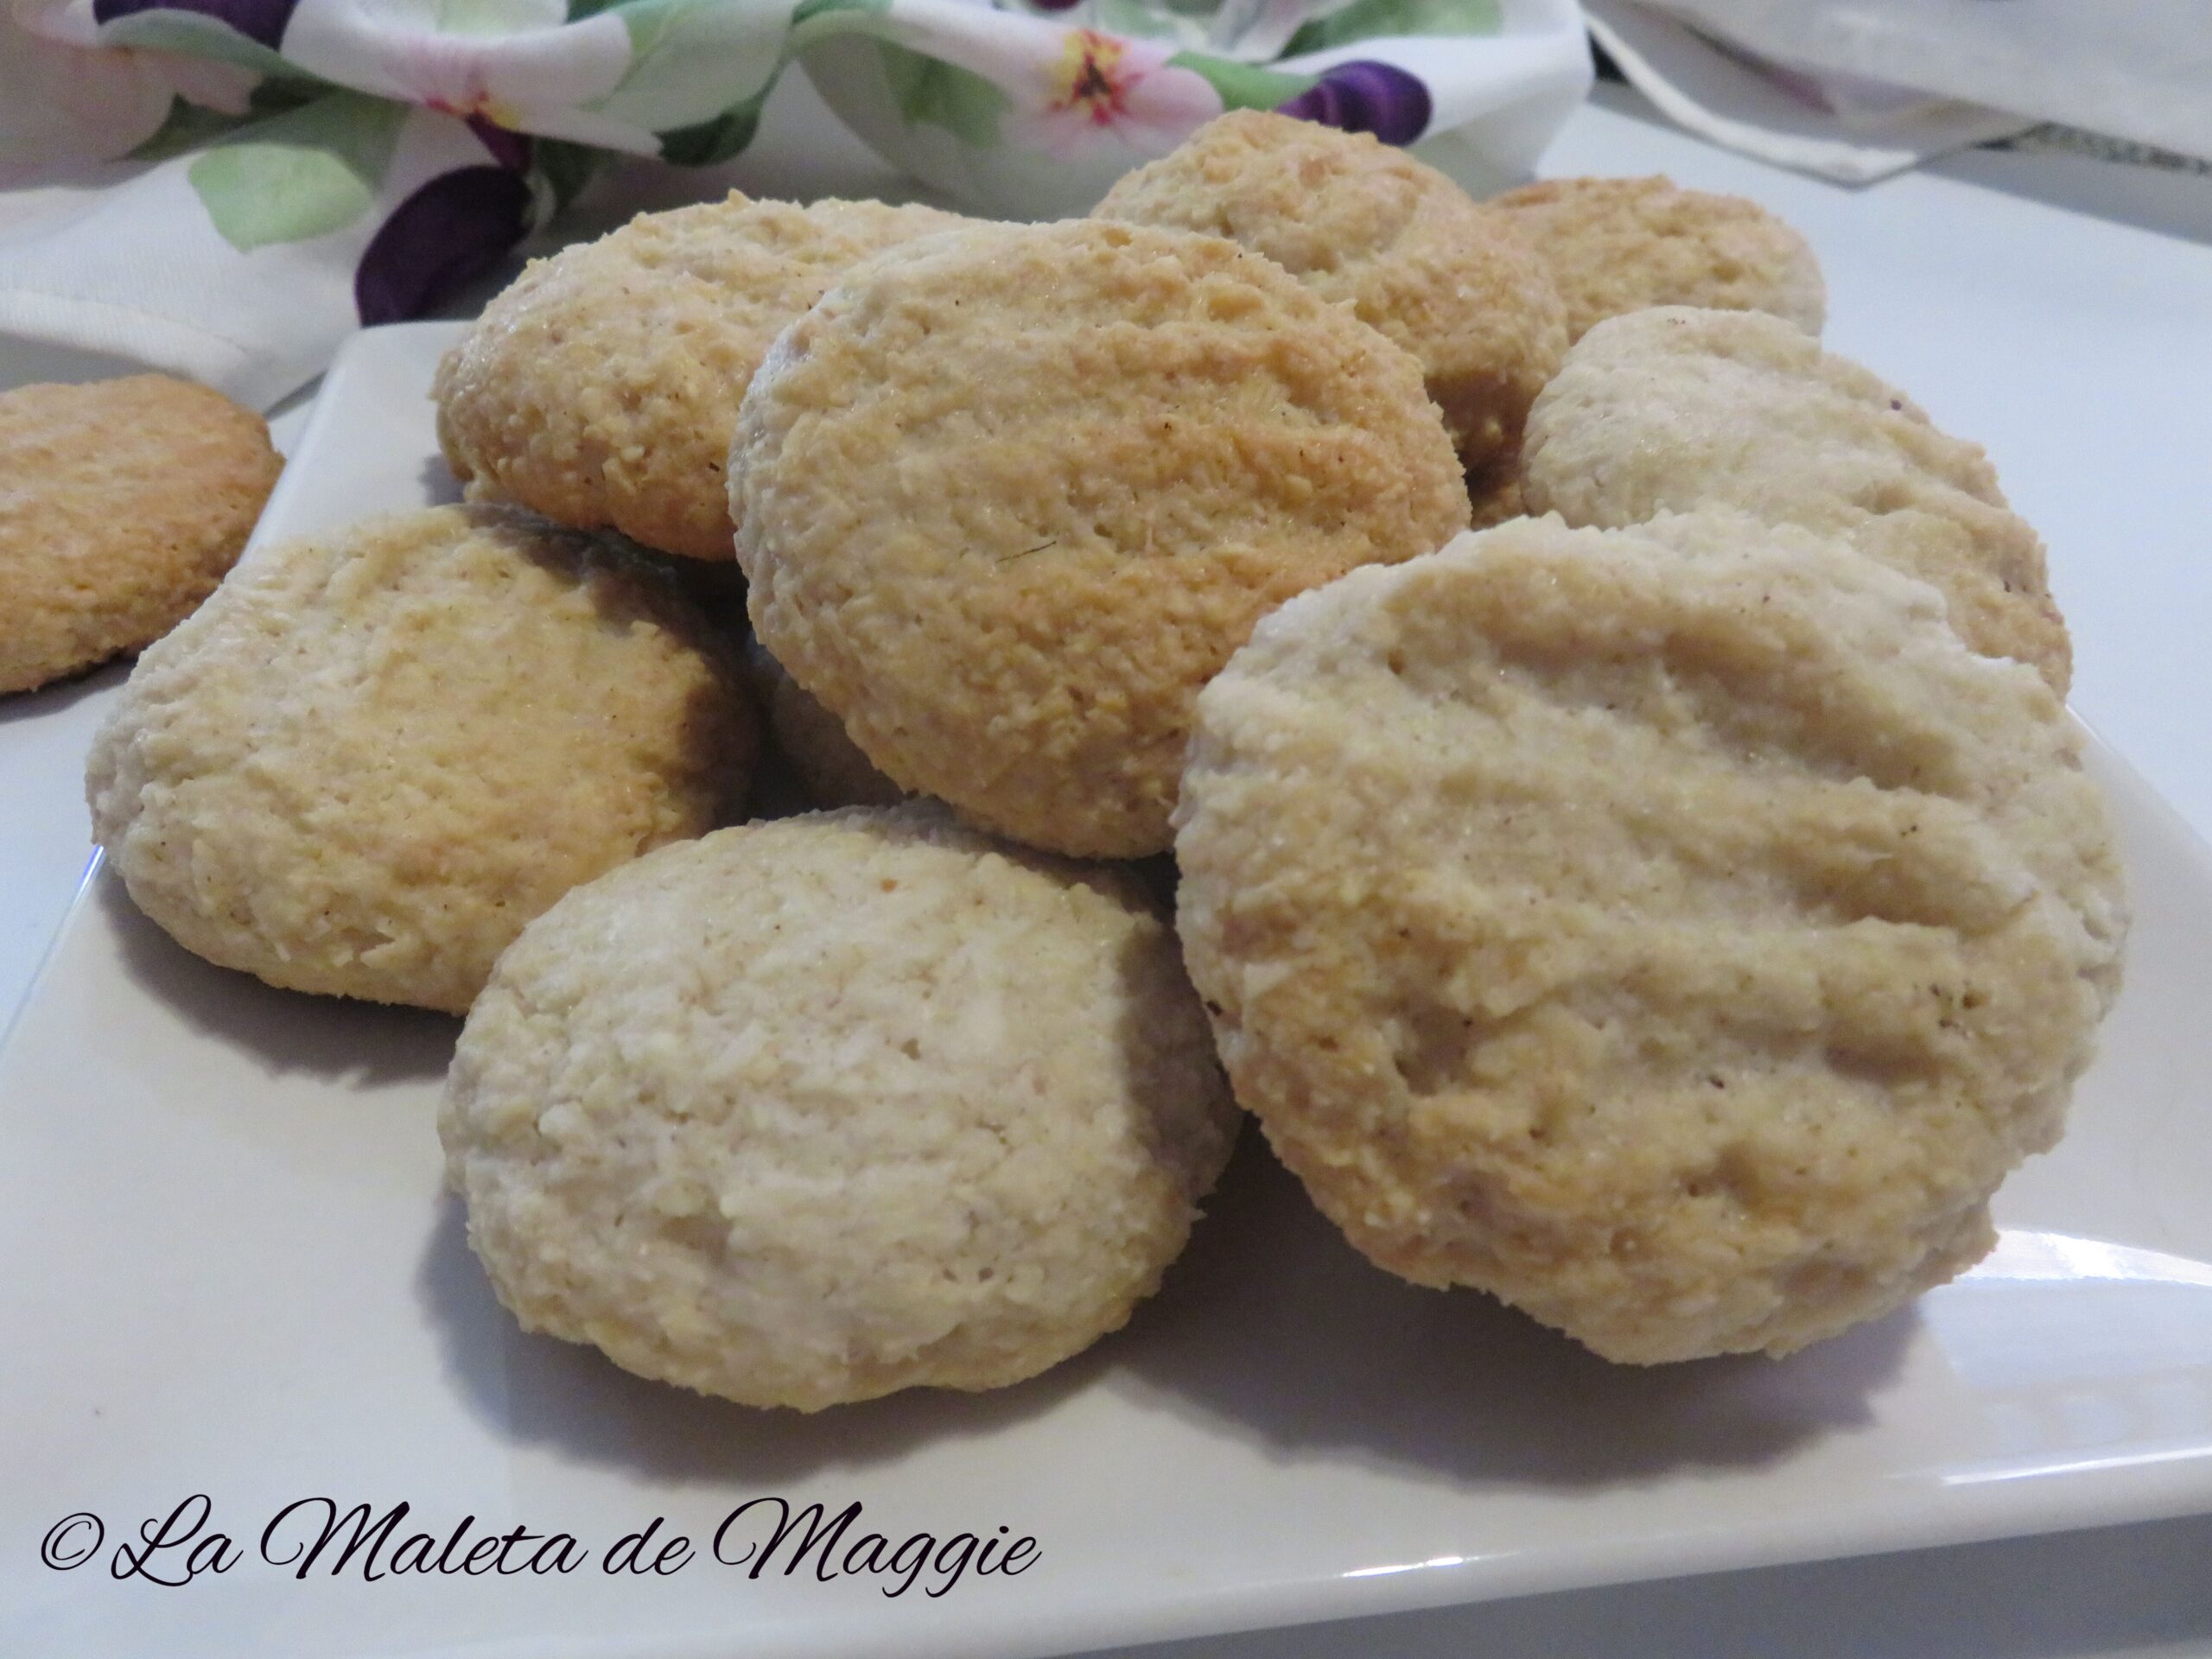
[2057, 310]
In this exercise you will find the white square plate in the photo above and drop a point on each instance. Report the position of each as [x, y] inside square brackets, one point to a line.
[232, 1272]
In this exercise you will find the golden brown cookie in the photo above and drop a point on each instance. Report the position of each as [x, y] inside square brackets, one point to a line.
[374, 755]
[1616, 245]
[599, 389]
[1363, 223]
[122, 504]
[1673, 409]
[1677, 931]
[1006, 499]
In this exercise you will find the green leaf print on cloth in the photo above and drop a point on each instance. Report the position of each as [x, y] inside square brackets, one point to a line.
[932, 92]
[717, 140]
[693, 62]
[188, 127]
[298, 175]
[1367, 20]
[1244, 85]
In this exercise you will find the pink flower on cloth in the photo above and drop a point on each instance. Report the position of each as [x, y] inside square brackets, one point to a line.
[1107, 86]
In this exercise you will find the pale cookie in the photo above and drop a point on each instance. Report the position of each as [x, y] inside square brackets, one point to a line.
[374, 755]
[599, 389]
[1364, 225]
[1009, 497]
[829, 765]
[1677, 932]
[808, 1111]
[1674, 409]
[1616, 245]
[121, 503]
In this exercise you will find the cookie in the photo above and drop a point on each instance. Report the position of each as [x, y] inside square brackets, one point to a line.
[122, 504]
[829, 765]
[1363, 223]
[1672, 408]
[599, 389]
[374, 755]
[808, 1111]
[1616, 245]
[1008, 498]
[1680, 932]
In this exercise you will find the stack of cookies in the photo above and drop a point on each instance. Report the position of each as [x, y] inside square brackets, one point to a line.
[1673, 913]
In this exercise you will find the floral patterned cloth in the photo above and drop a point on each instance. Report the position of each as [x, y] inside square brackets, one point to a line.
[267, 175]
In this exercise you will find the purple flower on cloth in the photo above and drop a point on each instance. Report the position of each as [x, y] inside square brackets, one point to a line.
[509, 149]
[453, 228]
[1382, 99]
[257, 20]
